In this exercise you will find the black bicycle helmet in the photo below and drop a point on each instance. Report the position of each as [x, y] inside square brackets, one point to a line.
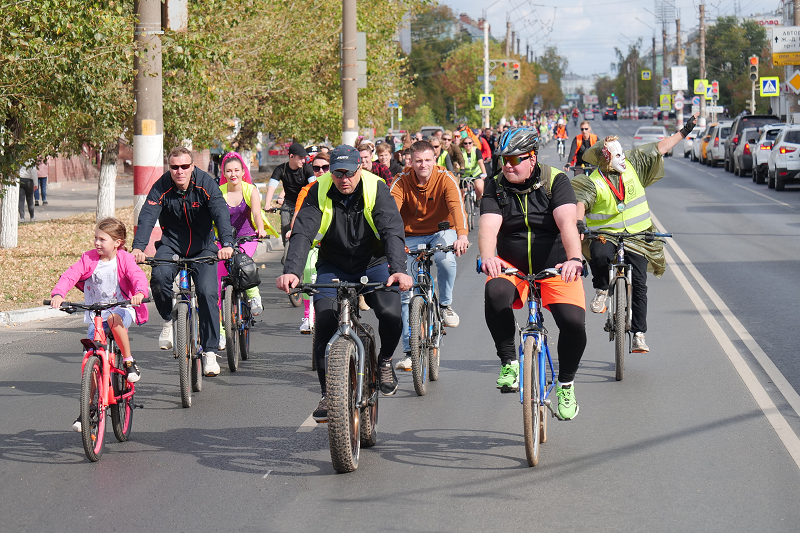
[518, 141]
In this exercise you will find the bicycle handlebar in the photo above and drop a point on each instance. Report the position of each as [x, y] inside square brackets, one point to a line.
[431, 251]
[310, 288]
[177, 260]
[94, 307]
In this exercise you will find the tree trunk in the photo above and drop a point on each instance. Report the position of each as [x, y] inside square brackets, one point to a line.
[9, 216]
[247, 155]
[107, 183]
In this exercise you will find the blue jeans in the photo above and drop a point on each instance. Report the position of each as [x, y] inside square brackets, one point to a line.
[445, 272]
[42, 188]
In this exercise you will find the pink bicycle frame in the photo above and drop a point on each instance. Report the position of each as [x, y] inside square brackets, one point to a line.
[97, 346]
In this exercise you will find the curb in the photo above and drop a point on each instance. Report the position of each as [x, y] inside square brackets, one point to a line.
[10, 318]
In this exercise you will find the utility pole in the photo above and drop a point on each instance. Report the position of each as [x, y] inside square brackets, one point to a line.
[508, 37]
[678, 46]
[653, 75]
[349, 74]
[664, 56]
[702, 119]
[518, 40]
[791, 106]
[527, 52]
[513, 40]
[148, 119]
[486, 122]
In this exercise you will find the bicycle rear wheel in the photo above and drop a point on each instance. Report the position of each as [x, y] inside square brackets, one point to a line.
[531, 414]
[230, 320]
[418, 342]
[93, 413]
[369, 414]
[344, 431]
[184, 354]
[122, 411]
[620, 317]
[244, 329]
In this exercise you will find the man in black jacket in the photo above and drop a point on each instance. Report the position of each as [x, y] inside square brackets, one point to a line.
[187, 203]
[361, 240]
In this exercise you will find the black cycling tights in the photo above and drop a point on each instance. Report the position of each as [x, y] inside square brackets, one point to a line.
[570, 319]
[386, 305]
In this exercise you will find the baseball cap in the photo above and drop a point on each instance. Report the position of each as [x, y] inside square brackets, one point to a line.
[345, 157]
[297, 149]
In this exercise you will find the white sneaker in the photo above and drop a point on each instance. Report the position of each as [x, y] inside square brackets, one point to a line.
[305, 327]
[639, 346]
[449, 317]
[210, 365]
[598, 304]
[76, 426]
[222, 343]
[404, 364]
[255, 306]
[165, 339]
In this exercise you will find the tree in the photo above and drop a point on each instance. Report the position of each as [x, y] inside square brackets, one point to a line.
[555, 66]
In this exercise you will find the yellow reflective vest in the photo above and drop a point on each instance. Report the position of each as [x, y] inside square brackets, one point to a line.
[632, 214]
[369, 183]
[247, 193]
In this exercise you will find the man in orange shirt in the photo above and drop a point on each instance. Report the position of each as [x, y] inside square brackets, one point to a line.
[427, 194]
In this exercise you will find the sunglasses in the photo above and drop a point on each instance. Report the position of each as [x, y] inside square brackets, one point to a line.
[341, 174]
[184, 167]
[585, 129]
[514, 160]
[467, 143]
[323, 168]
[436, 146]
[447, 138]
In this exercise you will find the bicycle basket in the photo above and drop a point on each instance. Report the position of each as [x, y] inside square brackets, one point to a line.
[243, 272]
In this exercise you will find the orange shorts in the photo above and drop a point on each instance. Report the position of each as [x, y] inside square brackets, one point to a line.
[553, 291]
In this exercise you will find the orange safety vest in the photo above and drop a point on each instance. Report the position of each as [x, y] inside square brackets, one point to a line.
[561, 132]
[592, 140]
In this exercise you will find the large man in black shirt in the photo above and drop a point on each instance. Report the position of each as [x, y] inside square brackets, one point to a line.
[295, 175]
[186, 202]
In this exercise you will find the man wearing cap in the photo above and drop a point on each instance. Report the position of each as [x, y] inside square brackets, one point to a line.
[352, 215]
[294, 174]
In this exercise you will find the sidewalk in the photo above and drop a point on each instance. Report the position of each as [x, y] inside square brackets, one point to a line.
[69, 198]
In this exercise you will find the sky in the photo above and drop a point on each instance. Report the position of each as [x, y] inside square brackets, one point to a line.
[586, 31]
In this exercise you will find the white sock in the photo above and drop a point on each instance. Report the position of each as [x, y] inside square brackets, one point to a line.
[566, 384]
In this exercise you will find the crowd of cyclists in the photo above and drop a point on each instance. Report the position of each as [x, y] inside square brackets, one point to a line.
[353, 211]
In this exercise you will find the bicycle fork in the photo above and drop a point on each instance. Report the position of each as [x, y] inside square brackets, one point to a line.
[346, 330]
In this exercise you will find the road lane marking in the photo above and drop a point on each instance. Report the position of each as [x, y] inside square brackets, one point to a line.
[763, 195]
[308, 425]
[774, 417]
[268, 473]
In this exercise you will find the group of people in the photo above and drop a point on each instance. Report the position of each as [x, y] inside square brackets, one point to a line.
[358, 221]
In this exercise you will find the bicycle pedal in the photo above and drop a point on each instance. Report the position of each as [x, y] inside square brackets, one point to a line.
[505, 390]
[138, 406]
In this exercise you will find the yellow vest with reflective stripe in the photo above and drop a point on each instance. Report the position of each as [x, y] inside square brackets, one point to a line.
[247, 193]
[606, 213]
[471, 167]
[441, 159]
[369, 186]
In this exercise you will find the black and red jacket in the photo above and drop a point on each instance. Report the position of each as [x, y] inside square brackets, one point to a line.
[186, 219]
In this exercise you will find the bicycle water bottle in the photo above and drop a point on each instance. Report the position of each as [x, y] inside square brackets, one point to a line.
[184, 279]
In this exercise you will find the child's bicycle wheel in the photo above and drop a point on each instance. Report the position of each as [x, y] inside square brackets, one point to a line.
[93, 413]
[122, 411]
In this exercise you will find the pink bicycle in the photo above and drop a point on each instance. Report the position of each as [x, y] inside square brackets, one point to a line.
[103, 383]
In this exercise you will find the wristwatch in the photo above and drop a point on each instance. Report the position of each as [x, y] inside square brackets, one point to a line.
[578, 259]
[227, 245]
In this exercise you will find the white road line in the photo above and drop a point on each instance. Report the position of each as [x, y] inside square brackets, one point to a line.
[308, 425]
[268, 473]
[765, 403]
[763, 195]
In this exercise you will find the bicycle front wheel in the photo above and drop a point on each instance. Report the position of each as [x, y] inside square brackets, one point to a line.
[93, 413]
[620, 317]
[469, 208]
[244, 331]
[122, 411]
[230, 320]
[531, 414]
[344, 432]
[184, 354]
[418, 341]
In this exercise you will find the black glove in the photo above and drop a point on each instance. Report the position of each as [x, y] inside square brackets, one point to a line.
[581, 227]
[688, 127]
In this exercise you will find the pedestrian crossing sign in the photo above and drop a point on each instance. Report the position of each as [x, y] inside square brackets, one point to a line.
[666, 102]
[700, 86]
[645, 75]
[486, 101]
[769, 86]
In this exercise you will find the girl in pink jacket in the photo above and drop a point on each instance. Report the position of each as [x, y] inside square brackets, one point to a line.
[106, 274]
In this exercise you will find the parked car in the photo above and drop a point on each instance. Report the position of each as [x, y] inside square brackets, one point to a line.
[428, 131]
[610, 114]
[687, 143]
[716, 147]
[739, 123]
[783, 165]
[704, 143]
[699, 132]
[762, 150]
[588, 115]
[743, 153]
[650, 134]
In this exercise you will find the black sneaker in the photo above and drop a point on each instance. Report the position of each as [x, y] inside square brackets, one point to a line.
[132, 373]
[321, 412]
[388, 378]
[36, 203]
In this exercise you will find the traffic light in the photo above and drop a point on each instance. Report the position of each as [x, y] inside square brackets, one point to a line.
[715, 89]
[754, 69]
[515, 71]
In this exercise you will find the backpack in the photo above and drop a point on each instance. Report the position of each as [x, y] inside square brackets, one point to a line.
[243, 272]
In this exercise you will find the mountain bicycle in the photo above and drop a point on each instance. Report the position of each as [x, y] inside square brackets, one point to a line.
[186, 325]
[425, 324]
[537, 376]
[103, 383]
[351, 360]
[236, 315]
[470, 201]
[561, 149]
[619, 311]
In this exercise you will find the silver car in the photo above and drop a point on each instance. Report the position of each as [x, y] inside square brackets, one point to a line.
[650, 134]
[715, 151]
[687, 142]
[699, 132]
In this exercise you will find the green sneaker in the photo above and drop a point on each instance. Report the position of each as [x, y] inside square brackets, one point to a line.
[567, 406]
[509, 377]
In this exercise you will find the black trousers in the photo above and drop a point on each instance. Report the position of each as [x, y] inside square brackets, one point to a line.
[386, 305]
[25, 194]
[499, 295]
[603, 254]
[206, 287]
[287, 212]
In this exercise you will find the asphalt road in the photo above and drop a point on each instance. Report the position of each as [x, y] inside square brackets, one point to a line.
[699, 436]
